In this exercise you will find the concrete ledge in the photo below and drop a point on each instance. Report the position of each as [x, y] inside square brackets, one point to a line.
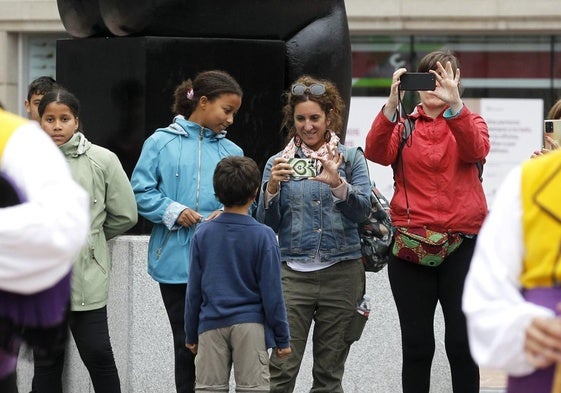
[142, 343]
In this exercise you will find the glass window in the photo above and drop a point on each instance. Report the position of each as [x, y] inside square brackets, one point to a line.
[491, 66]
[38, 58]
[42, 57]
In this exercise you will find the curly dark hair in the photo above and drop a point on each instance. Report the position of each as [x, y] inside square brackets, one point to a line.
[330, 102]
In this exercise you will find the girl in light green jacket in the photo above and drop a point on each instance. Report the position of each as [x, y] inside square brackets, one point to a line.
[112, 211]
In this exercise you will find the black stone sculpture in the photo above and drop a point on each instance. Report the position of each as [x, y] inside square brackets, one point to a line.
[128, 56]
[315, 31]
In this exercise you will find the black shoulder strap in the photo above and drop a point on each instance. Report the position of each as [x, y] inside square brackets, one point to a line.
[479, 165]
[408, 127]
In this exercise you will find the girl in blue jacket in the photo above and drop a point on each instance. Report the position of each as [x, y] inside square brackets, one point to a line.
[172, 182]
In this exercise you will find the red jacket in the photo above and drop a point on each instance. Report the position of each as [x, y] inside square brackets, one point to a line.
[441, 178]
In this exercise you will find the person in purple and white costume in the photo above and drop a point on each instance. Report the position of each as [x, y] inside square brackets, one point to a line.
[44, 220]
[511, 295]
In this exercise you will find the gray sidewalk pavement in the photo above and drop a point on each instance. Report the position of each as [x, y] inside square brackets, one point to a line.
[141, 339]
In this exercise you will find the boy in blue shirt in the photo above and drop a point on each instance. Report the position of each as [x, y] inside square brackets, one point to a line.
[234, 307]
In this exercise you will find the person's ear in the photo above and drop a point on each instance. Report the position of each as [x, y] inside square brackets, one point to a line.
[27, 106]
[203, 101]
[328, 117]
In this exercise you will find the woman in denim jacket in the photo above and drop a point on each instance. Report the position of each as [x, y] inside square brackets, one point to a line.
[316, 221]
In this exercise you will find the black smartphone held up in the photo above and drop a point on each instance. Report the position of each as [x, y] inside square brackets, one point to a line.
[416, 81]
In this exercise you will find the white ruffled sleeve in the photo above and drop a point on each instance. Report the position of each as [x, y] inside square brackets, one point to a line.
[40, 237]
[497, 314]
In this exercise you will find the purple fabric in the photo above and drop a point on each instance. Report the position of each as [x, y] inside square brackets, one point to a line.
[38, 319]
[42, 309]
[539, 381]
[8, 363]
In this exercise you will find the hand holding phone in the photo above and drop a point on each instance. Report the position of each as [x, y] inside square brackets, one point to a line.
[552, 129]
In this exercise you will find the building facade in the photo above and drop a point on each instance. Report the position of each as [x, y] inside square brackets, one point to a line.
[507, 48]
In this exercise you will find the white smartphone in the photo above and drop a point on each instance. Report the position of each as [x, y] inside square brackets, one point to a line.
[303, 167]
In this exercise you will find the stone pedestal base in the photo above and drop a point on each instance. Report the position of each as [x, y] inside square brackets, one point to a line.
[142, 342]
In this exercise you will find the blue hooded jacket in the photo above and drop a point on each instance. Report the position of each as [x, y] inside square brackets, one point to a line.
[174, 172]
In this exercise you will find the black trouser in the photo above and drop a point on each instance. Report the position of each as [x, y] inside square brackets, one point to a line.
[8, 384]
[173, 296]
[91, 334]
[416, 290]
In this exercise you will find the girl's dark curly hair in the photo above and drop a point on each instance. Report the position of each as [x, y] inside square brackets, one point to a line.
[210, 84]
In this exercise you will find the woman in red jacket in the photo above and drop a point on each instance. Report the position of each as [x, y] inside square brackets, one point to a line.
[437, 190]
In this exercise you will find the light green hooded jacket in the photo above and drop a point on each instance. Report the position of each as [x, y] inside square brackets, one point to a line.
[112, 211]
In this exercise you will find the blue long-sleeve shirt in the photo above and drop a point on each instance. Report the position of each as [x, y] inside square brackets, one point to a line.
[234, 278]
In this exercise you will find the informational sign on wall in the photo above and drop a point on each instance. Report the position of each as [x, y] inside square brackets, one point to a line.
[42, 57]
[362, 112]
[515, 132]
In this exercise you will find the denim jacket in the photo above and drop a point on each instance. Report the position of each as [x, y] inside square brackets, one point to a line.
[310, 220]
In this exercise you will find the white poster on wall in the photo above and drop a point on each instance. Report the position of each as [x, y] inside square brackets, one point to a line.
[515, 132]
[362, 112]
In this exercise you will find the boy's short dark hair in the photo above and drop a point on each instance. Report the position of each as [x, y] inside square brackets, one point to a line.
[236, 180]
[41, 86]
